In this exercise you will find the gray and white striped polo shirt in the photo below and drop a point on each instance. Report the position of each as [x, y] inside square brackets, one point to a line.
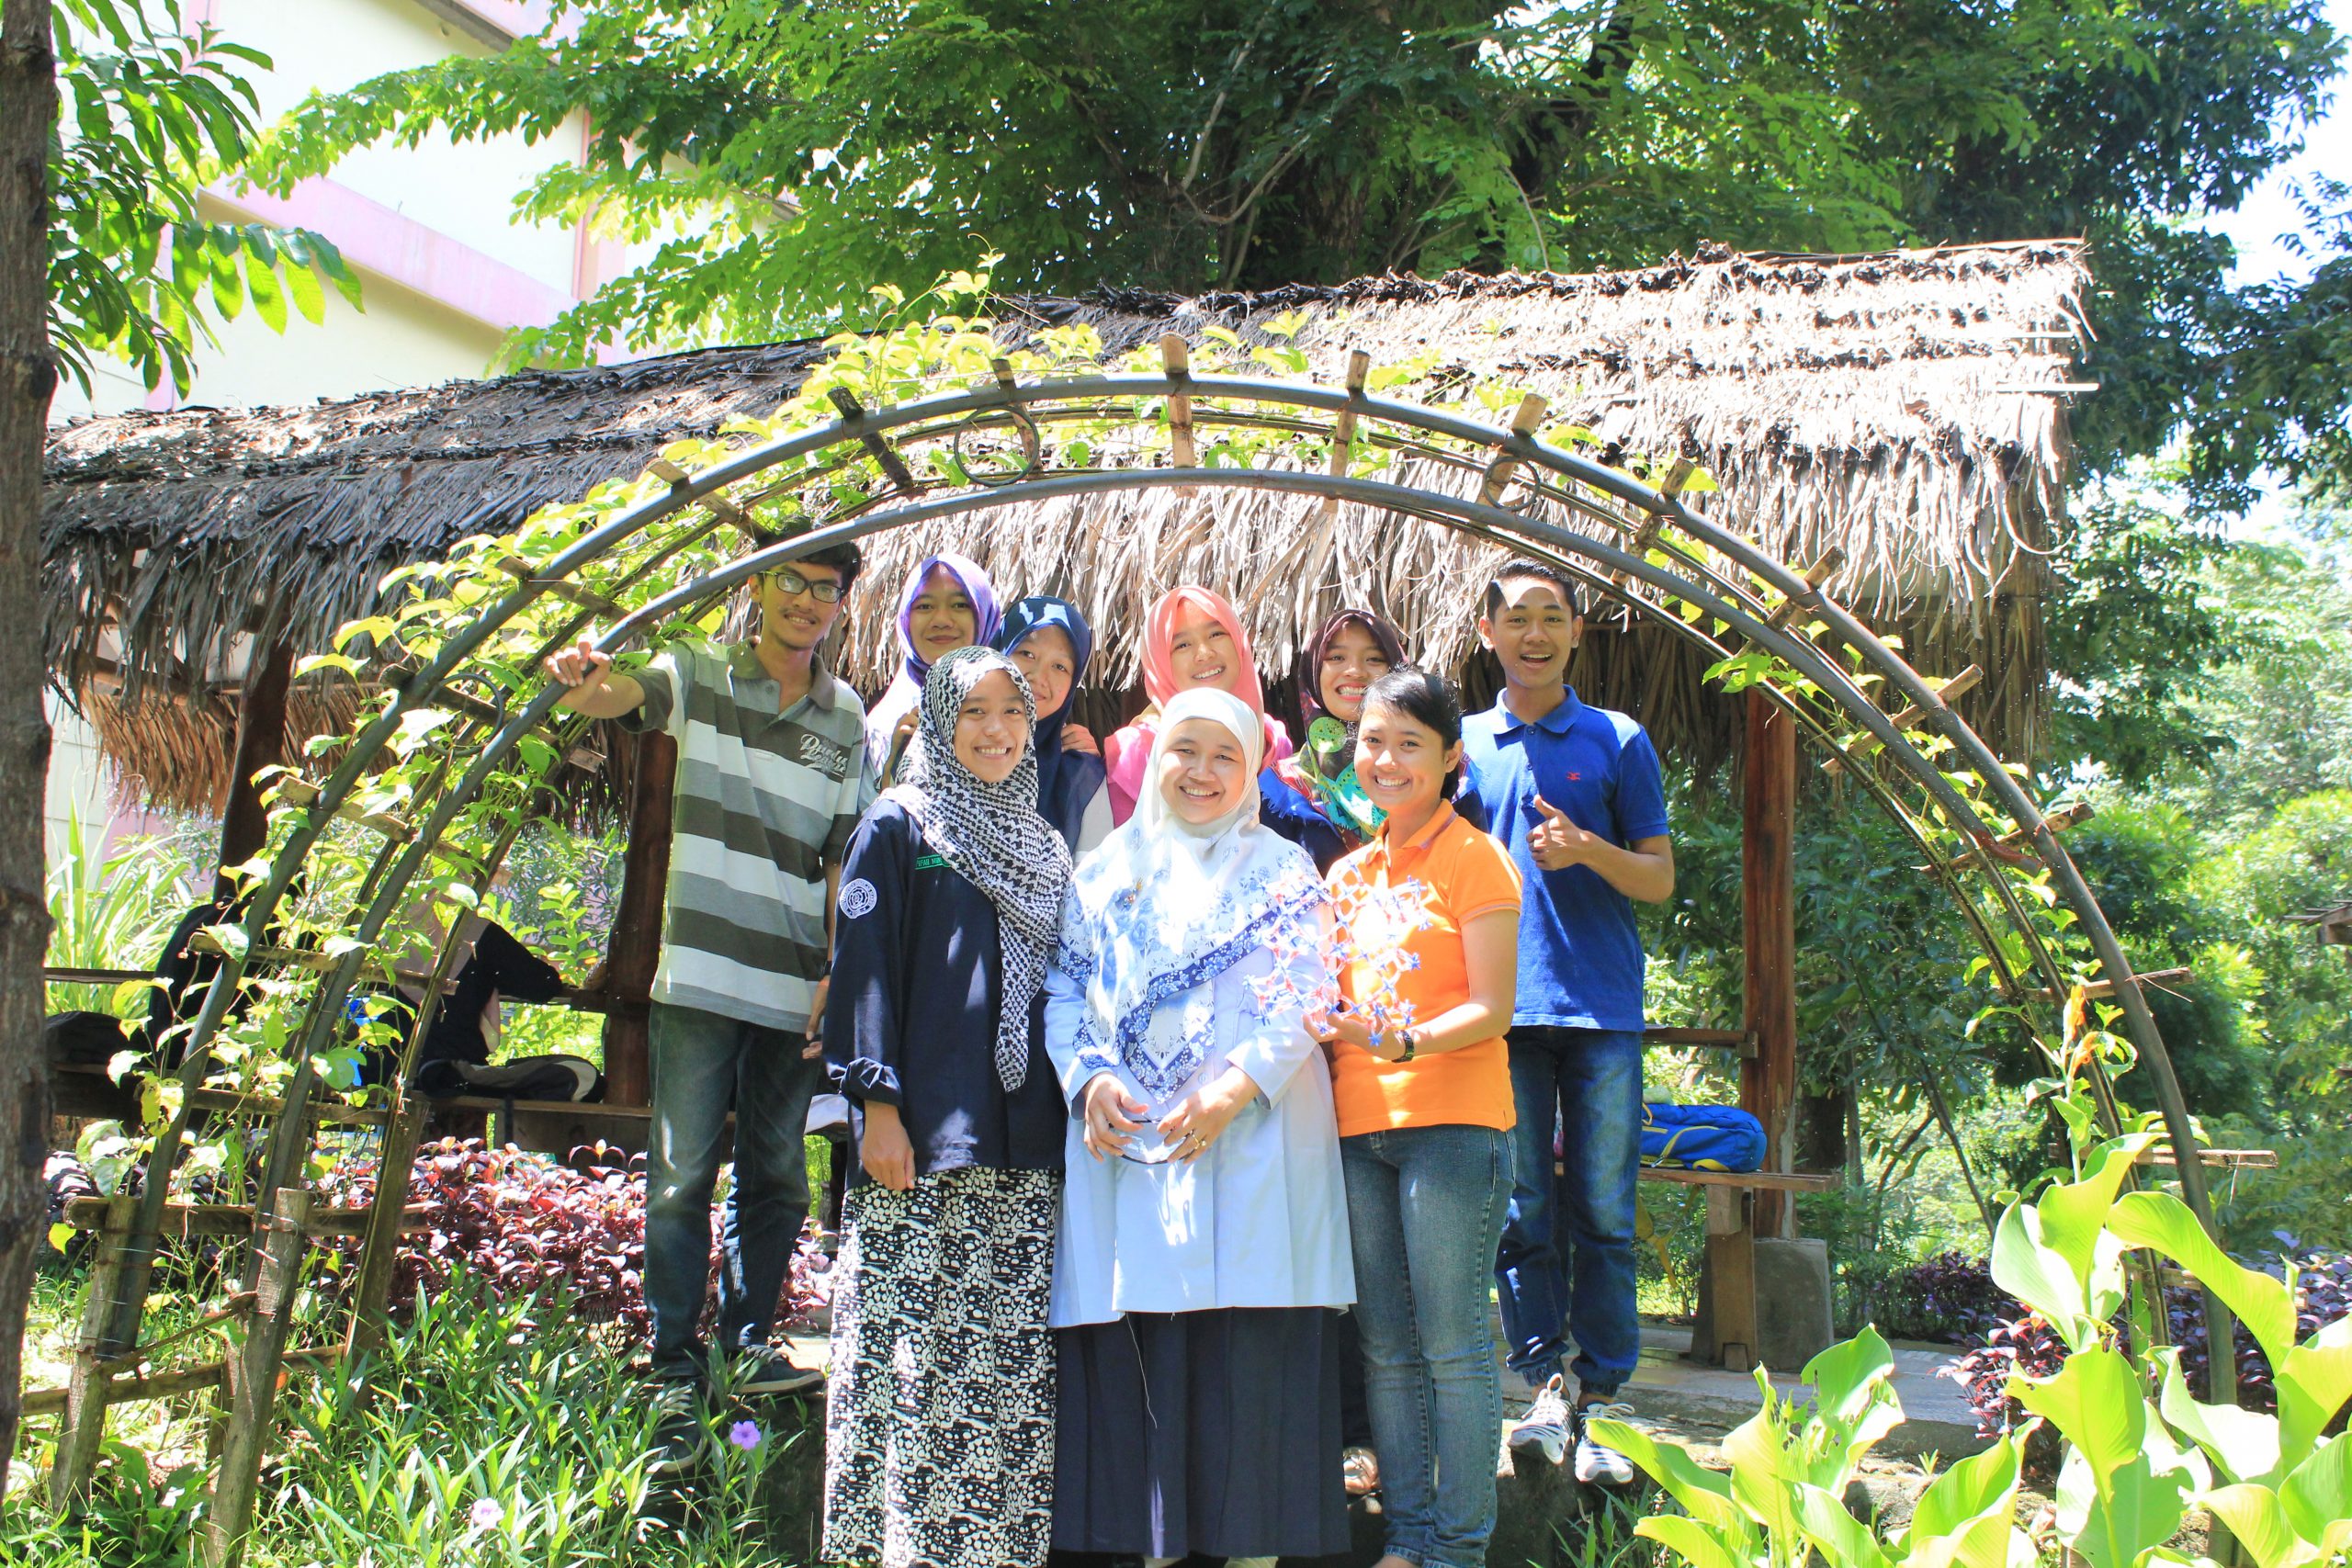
[764, 801]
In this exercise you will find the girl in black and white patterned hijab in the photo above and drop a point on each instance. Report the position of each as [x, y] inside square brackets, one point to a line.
[970, 782]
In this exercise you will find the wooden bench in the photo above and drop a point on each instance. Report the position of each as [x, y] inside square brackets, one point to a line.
[1729, 1307]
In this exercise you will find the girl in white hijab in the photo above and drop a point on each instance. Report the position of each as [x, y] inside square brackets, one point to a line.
[1204, 1229]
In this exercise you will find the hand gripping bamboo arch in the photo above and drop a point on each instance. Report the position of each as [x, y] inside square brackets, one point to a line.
[1628, 543]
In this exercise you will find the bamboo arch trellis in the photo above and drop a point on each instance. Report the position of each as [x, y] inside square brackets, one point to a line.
[1641, 547]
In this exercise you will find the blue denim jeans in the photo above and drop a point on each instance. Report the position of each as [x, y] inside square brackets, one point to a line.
[1566, 1262]
[1425, 1209]
[703, 1065]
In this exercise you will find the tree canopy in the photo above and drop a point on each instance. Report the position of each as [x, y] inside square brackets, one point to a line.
[150, 110]
[788, 158]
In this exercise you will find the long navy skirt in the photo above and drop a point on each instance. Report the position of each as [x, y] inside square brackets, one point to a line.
[1216, 1432]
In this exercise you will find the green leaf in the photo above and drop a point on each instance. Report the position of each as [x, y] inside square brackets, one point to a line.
[1689, 1539]
[1704, 1495]
[2313, 1379]
[302, 288]
[59, 1235]
[1978, 1487]
[2124, 1488]
[234, 942]
[2244, 1443]
[1849, 1377]
[270, 300]
[2258, 1524]
[2317, 1498]
[1841, 1537]
[2163, 1223]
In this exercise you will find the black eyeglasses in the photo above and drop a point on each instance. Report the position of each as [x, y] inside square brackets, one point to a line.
[790, 581]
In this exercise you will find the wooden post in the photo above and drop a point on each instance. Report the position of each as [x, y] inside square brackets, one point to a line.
[261, 743]
[1767, 1080]
[86, 1396]
[249, 1397]
[380, 1248]
[1730, 1339]
[636, 950]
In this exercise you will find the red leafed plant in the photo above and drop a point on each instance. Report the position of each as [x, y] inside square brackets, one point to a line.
[525, 1221]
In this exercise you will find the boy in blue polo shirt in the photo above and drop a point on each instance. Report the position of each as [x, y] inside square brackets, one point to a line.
[1573, 792]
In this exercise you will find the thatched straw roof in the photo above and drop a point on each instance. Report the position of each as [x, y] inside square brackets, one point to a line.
[1880, 404]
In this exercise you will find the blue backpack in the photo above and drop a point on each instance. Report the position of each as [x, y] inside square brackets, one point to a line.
[1700, 1137]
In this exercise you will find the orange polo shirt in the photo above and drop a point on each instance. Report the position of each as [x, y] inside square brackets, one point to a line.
[1401, 909]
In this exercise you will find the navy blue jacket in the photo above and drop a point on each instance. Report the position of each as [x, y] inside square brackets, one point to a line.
[911, 1017]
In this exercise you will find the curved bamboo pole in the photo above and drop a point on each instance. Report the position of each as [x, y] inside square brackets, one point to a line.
[1742, 610]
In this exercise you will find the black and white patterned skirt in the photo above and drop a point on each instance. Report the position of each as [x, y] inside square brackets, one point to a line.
[939, 1430]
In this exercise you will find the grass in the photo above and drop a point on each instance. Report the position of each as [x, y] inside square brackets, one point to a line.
[489, 1434]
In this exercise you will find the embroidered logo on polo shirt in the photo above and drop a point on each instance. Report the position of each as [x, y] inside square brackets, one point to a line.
[858, 898]
[822, 754]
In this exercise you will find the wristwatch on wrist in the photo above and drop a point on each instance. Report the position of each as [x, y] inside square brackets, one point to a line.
[1410, 1044]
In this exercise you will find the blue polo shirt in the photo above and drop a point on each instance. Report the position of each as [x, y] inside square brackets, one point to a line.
[1579, 953]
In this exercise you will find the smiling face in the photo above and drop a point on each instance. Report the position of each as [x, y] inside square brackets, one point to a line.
[1351, 661]
[942, 618]
[1201, 651]
[1533, 632]
[991, 727]
[1203, 772]
[1401, 762]
[1050, 664]
[799, 620]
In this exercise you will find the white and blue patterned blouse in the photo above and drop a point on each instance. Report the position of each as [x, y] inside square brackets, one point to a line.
[1163, 993]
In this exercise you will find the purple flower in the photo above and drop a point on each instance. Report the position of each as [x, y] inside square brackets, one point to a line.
[486, 1513]
[744, 1435]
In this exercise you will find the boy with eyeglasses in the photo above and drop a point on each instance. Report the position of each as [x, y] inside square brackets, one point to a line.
[771, 778]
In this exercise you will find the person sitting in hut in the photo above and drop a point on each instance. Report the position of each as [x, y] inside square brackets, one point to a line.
[1192, 638]
[771, 780]
[938, 1423]
[1574, 793]
[1049, 640]
[1429, 910]
[488, 963]
[946, 602]
[1204, 1235]
[1313, 796]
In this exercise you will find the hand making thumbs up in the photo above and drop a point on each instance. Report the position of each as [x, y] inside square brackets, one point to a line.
[1557, 843]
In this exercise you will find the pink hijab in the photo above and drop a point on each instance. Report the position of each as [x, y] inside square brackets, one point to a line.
[1128, 752]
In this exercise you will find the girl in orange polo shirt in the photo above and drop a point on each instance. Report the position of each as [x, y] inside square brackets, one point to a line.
[1429, 926]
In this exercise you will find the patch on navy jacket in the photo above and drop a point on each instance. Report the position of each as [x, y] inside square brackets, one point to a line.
[858, 898]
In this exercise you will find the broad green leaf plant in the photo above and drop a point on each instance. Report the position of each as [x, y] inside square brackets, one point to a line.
[2141, 1452]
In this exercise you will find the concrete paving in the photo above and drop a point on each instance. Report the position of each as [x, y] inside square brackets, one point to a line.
[1699, 1403]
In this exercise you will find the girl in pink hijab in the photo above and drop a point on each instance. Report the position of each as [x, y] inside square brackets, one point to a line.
[1190, 637]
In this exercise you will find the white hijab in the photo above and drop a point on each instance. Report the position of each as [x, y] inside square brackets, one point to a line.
[1162, 907]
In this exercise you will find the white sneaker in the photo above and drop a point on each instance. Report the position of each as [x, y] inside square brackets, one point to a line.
[1597, 1464]
[1544, 1429]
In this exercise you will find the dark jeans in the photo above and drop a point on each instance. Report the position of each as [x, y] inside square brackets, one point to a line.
[1425, 1208]
[703, 1064]
[1567, 1261]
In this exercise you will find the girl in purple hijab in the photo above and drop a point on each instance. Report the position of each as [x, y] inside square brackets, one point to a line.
[948, 603]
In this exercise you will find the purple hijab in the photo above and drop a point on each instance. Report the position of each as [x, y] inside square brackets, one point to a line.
[905, 693]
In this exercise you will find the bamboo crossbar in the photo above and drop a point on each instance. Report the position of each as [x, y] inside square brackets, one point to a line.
[1963, 681]
[295, 790]
[2106, 987]
[188, 1220]
[177, 1381]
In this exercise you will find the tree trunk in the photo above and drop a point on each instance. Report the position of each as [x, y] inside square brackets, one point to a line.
[28, 376]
